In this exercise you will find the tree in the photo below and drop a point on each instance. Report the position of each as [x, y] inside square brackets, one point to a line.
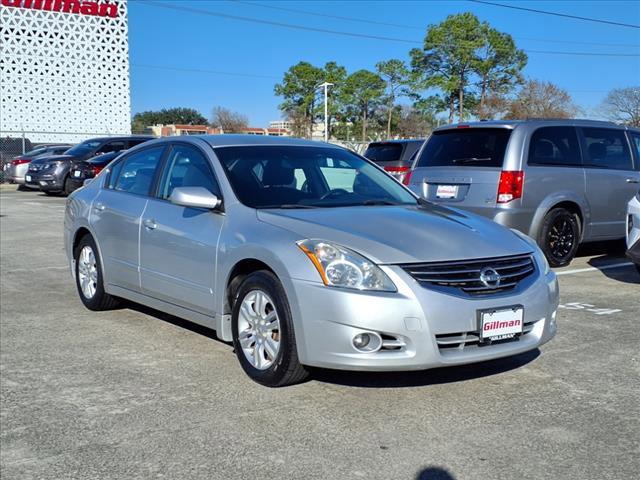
[498, 65]
[363, 92]
[228, 121]
[539, 99]
[167, 116]
[299, 90]
[448, 58]
[335, 74]
[413, 123]
[622, 105]
[397, 77]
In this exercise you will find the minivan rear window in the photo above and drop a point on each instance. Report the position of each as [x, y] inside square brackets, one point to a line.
[384, 152]
[465, 147]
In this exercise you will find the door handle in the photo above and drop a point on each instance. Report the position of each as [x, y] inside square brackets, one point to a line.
[99, 207]
[633, 180]
[150, 224]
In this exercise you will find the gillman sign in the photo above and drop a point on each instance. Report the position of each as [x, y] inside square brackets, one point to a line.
[78, 7]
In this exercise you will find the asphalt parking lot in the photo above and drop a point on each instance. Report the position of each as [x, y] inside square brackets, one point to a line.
[134, 393]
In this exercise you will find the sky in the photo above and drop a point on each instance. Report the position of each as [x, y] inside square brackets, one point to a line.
[190, 46]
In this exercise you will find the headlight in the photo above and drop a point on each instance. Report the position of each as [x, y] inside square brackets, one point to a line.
[340, 267]
[541, 260]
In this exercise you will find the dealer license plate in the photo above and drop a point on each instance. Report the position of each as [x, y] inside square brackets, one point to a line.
[501, 324]
[27, 178]
[76, 173]
[447, 191]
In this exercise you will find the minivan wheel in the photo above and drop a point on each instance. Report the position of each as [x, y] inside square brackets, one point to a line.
[89, 280]
[560, 237]
[263, 335]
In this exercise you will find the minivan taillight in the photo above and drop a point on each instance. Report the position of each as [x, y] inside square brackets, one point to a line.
[402, 174]
[510, 186]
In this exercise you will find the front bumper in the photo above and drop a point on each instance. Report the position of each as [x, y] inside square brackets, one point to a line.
[43, 181]
[417, 323]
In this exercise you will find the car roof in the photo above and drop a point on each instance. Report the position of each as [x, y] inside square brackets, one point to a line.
[575, 122]
[233, 140]
[122, 137]
[400, 140]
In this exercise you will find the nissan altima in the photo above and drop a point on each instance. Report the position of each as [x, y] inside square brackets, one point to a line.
[305, 254]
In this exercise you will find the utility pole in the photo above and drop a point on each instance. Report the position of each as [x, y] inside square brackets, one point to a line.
[326, 85]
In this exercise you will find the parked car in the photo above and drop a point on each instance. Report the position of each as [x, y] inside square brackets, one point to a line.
[18, 166]
[633, 230]
[51, 174]
[88, 169]
[562, 182]
[305, 254]
[395, 156]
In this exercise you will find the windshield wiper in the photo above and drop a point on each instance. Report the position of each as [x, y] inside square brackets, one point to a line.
[374, 201]
[471, 160]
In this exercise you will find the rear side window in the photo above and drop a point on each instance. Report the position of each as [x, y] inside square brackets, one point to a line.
[554, 146]
[475, 147]
[111, 147]
[384, 152]
[134, 174]
[606, 148]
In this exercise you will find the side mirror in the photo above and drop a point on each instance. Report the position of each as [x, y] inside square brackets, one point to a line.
[197, 197]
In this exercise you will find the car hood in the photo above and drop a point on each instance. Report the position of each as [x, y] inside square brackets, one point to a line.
[53, 158]
[402, 234]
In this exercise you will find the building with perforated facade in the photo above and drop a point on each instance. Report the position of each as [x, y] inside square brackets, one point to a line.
[64, 69]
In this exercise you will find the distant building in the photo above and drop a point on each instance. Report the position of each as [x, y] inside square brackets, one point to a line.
[173, 130]
[281, 124]
[272, 132]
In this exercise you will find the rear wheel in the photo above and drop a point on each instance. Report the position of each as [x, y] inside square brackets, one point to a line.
[89, 279]
[560, 236]
[263, 335]
[68, 187]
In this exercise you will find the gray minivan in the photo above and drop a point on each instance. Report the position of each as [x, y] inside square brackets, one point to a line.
[562, 182]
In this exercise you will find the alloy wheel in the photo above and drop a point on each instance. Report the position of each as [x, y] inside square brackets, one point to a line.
[259, 329]
[87, 272]
[561, 238]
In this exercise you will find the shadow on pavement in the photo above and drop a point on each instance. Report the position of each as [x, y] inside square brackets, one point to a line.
[424, 377]
[434, 473]
[628, 274]
[612, 249]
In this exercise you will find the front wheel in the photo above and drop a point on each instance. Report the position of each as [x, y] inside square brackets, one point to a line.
[263, 335]
[560, 237]
[89, 278]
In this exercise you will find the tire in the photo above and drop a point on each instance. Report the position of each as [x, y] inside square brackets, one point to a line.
[99, 300]
[68, 189]
[50, 193]
[638, 268]
[560, 236]
[252, 341]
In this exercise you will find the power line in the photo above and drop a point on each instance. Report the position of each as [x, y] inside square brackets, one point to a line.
[352, 34]
[557, 14]
[202, 70]
[400, 25]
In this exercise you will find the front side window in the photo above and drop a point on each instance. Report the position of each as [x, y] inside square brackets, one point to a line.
[554, 146]
[307, 177]
[134, 174]
[606, 148]
[187, 167]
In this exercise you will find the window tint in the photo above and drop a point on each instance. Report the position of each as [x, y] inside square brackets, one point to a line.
[606, 148]
[187, 167]
[384, 152]
[460, 147]
[556, 146]
[111, 147]
[136, 141]
[635, 142]
[135, 173]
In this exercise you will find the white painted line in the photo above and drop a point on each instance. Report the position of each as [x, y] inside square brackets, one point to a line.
[591, 269]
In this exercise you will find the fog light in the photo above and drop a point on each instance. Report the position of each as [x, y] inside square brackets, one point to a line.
[361, 341]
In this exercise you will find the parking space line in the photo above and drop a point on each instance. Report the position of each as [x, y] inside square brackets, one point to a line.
[591, 269]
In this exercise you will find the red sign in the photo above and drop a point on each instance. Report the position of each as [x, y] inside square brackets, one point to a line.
[78, 7]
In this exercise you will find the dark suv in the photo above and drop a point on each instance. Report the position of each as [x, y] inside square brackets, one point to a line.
[395, 156]
[51, 174]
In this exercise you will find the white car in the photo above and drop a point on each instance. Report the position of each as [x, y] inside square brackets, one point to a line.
[633, 230]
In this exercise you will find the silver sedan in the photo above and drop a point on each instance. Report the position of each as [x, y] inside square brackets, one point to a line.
[305, 254]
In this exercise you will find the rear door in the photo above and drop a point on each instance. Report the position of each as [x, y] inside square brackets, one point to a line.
[611, 179]
[116, 211]
[461, 166]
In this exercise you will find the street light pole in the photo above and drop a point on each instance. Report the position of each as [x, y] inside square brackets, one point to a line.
[326, 85]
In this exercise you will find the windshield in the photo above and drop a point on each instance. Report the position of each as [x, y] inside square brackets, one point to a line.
[307, 177]
[460, 147]
[83, 148]
[384, 152]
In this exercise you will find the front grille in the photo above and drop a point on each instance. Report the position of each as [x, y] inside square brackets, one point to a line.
[465, 275]
[460, 341]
